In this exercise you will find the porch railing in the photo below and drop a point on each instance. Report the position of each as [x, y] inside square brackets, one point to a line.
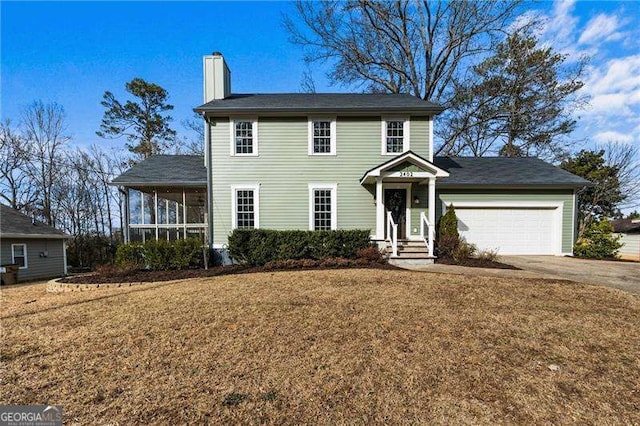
[392, 234]
[427, 232]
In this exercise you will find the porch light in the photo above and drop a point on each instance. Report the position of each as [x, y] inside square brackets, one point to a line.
[416, 200]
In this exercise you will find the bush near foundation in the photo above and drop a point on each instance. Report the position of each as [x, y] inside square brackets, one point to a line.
[260, 246]
[448, 237]
[161, 254]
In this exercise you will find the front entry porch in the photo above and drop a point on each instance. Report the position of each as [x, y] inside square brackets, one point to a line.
[405, 194]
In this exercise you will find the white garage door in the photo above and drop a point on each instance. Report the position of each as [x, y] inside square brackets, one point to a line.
[511, 230]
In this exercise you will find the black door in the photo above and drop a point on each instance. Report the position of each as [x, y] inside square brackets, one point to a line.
[395, 201]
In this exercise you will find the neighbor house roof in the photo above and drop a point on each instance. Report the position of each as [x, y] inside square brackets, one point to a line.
[166, 170]
[14, 224]
[626, 225]
[320, 103]
[504, 172]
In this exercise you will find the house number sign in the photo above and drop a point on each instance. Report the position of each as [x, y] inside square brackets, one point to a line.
[406, 174]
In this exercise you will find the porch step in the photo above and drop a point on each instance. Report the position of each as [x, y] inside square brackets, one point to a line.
[404, 262]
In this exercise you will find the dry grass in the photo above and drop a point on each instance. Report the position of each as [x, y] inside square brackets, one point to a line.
[352, 346]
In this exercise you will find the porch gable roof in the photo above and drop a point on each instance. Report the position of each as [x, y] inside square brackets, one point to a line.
[414, 164]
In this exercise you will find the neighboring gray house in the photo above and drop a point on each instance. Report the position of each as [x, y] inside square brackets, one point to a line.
[39, 249]
[629, 232]
[344, 161]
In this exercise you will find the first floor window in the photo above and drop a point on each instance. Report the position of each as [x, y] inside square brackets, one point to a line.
[246, 208]
[19, 254]
[323, 208]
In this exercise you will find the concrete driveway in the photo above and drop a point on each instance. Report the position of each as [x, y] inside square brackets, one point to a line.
[622, 275]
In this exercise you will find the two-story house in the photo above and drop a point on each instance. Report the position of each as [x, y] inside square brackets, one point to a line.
[344, 161]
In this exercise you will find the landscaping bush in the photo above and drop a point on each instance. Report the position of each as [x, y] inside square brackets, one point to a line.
[448, 236]
[464, 250]
[487, 255]
[260, 246]
[130, 254]
[598, 242]
[161, 254]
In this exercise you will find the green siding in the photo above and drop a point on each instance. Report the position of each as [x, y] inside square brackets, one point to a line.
[422, 192]
[564, 196]
[284, 169]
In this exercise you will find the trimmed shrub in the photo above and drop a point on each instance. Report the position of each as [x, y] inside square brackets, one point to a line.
[188, 253]
[130, 254]
[260, 246]
[448, 236]
[161, 255]
[598, 242]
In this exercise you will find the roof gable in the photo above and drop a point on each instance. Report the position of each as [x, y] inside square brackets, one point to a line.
[15, 224]
[408, 162]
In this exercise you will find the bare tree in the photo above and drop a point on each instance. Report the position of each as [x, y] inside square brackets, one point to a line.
[194, 143]
[44, 130]
[416, 47]
[307, 84]
[14, 179]
[626, 159]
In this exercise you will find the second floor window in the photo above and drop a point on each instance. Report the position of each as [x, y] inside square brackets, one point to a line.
[322, 136]
[394, 136]
[244, 140]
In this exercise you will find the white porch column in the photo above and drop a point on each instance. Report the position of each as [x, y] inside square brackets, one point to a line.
[432, 201]
[432, 213]
[379, 210]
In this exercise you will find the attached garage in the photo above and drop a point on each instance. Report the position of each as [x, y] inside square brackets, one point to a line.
[519, 206]
[523, 228]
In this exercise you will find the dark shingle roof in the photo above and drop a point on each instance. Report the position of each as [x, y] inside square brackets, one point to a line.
[320, 102]
[626, 225]
[501, 171]
[166, 170]
[14, 223]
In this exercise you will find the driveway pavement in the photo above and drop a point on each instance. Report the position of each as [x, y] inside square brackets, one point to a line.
[622, 275]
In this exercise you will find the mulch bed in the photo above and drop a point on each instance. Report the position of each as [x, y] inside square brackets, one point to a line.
[475, 263]
[144, 276]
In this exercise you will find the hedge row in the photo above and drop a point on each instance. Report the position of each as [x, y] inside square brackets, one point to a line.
[259, 246]
[161, 254]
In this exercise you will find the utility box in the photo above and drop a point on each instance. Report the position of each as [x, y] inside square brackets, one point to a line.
[9, 273]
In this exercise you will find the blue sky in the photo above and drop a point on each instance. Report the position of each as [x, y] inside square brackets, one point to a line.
[72, 52]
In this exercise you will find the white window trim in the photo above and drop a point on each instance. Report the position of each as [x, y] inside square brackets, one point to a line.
[13, 254]
[256, 204]
[333, 128]
[334, 203]
[406, 135]
[232, 136]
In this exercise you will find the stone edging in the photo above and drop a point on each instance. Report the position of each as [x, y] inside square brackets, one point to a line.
[55, 286]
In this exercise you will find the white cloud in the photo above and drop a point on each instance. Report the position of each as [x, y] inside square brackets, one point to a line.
[613, 136]
[614, 87]
[601, 28]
